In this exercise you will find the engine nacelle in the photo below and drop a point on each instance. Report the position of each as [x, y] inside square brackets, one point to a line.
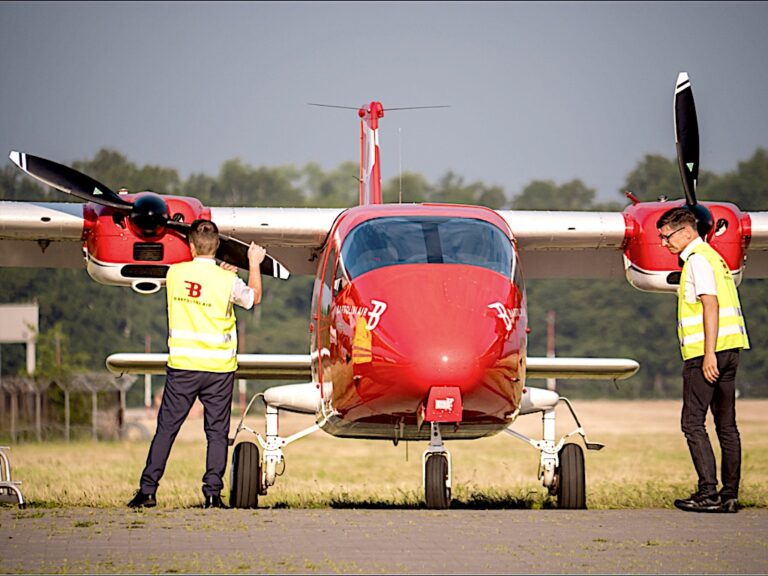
[116, 255]
[650, 267]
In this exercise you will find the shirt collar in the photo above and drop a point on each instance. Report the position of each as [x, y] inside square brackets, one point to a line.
[210, 259]
[688, 249]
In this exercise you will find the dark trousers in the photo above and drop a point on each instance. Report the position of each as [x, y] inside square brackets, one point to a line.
[182, 387]
[699, 396]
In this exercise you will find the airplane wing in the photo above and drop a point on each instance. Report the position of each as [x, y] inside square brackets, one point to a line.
[297, 366]
[573, 244]
[552, 244]
[48, 234]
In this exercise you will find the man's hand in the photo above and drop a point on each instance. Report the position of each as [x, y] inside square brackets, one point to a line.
[227, 266]
[256, 255]
[709, 367]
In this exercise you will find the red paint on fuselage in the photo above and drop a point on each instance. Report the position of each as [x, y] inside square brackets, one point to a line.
[438, 328]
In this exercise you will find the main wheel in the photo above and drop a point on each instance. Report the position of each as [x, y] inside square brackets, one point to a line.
[436, 490]
[246, 474]
[571, 481]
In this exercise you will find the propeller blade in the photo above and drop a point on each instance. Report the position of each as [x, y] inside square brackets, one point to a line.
[687, 144]
[233, 251]
[686, 137]
[68, 180]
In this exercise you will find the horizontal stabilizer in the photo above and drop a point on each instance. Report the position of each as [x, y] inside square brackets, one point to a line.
[581, 368]
[297, 366]
[255, 366]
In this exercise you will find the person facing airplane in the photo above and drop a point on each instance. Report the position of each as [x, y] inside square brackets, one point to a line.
[711, 331]
[202, 357]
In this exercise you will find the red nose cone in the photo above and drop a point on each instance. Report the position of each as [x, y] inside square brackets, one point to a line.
[438, 329]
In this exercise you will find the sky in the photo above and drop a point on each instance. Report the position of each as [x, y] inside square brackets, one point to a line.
[537, 90]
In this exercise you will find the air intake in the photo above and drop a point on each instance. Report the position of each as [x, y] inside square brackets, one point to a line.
[145, 271]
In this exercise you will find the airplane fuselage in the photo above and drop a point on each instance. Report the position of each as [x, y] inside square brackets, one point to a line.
[411, 298]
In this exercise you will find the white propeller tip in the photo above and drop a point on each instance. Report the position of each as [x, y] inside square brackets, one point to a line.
[15, 158]
[682, 77]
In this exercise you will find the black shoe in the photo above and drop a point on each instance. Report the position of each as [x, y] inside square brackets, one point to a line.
[213, 501]
[700, 503]
[141, 500]
[730, 506]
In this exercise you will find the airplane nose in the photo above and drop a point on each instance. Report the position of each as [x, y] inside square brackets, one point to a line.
[437, 362]
[437, 330]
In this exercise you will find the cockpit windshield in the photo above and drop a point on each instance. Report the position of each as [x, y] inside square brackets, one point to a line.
[389, 241]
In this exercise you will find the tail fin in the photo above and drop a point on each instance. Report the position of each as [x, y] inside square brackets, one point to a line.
[370, 171]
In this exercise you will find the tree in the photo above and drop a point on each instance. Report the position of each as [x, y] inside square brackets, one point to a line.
[546, 195]
[415, 188]
[338, 188]
[114, 170]
[747, 186]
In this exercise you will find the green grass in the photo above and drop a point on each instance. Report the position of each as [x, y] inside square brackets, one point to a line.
[645, 464]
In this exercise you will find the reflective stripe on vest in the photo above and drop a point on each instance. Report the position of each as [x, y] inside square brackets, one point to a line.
[202, 331]
[732, 332]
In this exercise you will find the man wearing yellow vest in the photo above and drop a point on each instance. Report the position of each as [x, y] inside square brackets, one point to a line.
[202, 357]
[711, 331]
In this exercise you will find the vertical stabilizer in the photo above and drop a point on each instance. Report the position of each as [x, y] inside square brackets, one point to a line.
[370, 171]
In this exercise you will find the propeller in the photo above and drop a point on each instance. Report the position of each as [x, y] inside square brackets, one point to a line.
[687, 144]
[147, 214]
[388, 109]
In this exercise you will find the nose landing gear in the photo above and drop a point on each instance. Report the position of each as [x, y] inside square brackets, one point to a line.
[436, 465]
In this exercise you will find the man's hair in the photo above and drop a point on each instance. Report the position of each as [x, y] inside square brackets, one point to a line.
[204, 236]
[675, 217]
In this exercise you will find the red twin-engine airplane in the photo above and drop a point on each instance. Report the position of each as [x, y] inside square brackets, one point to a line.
[418, 323]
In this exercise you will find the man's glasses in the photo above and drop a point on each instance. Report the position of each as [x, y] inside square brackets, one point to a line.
[668, 236]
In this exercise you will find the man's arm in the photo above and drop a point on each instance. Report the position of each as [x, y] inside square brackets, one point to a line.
[256, 255]
[711, 327]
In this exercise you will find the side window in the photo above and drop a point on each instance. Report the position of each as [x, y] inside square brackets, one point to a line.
[326, 289]
[340, 280]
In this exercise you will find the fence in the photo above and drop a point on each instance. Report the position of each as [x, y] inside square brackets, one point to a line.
[38, 408]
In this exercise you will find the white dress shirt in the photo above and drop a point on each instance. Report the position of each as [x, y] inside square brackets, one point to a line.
[699, 278]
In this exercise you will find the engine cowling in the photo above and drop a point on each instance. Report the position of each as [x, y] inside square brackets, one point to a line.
[650, 267]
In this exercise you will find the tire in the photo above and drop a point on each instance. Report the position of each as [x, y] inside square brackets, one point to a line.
[571, 485]
[246, 474]
[436, 492]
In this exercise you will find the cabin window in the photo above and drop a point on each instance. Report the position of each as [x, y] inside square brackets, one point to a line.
[391, 241]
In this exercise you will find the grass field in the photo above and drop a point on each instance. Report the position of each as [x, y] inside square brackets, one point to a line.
[645, 464]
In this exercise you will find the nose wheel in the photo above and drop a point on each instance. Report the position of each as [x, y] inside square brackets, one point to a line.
[570, 478]
[437, 492]
[437, 471]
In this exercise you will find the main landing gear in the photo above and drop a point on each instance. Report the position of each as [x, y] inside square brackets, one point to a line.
[561, 468]
[251, 476]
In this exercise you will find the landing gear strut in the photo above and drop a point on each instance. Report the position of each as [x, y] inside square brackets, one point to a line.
[436, 464]
[251, 475]
[561, 468]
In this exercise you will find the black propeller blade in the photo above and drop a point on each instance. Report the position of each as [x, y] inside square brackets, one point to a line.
[148, 213]
[68, 180]
[687, 144]
[235, 252]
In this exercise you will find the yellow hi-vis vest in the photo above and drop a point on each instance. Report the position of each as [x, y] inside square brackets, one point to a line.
[202, 330]
[732, 331]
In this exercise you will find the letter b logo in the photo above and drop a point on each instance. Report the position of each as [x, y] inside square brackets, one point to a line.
[193, 289]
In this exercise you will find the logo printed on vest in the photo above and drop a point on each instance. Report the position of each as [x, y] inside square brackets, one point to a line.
[193, 289]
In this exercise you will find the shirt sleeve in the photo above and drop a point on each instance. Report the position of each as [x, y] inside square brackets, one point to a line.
[703, 275]
[242, 294]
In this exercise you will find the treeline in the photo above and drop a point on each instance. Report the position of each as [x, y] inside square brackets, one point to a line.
[82, 322]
